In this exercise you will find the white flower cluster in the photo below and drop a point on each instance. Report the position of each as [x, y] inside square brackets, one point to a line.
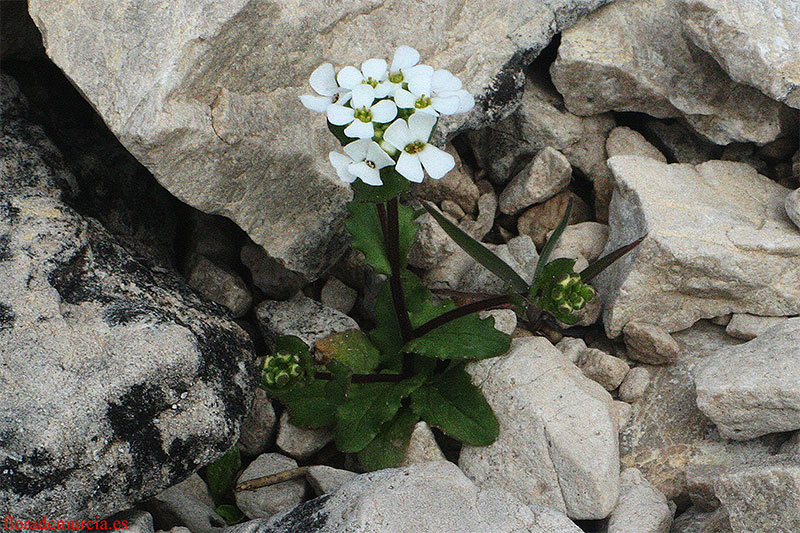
[389, 111]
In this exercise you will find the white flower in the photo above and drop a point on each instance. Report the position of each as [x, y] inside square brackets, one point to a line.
[362, 113]
[372, 73]
[404, 59]
[415, 153]
[323, 81]
[364, 160]
[435, 93]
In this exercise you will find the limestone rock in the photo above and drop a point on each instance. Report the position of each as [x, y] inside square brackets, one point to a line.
[634, 385]
[641, 508]
[424, 498]
[267, 501]
[220, 285]
[138, 380]
[457, 186]
[558, 442]
[505, 320]
[748, 327]
[696, 521]
[303, 317]
[337, 295]
[547, 174]
[751, 389]
[432, 245]
[585, 238]
[487, 209]
[680, 143]
[422, 447]
[258, 427]
[621, 412]
[301, 443]
[792, 206]
[326, 479]
[607, 370]
[200, 103]
[650, 344]
[541, 219]
[718, 242]
[276, 281]
[572, 348]
[624, 141]
[633, 56]
[754, 41]
[186, 504]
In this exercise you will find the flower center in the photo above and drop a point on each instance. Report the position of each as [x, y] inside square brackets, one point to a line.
[363, 114]
[335, 98]
[422, 101]
[415, 147]
[369, 163]
[371, 81]
[396, 77]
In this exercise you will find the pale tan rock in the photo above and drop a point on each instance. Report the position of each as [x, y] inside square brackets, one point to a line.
[641, 507]
[624, 141]
[422, 447]
[607, 370]
[585, 238]
[748, 327]
[301, 443]
[457, 186]
[267, 501]
[337, 295]
[649, 343]
[541, 219]
[634, 385]
[548, 173]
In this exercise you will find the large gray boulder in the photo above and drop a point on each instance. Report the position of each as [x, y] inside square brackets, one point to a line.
[558, 442]
[718, 241]
[754, 389]
[205, 93]
[754, 41]
[116, 380]
[430, 497]
[634, 56]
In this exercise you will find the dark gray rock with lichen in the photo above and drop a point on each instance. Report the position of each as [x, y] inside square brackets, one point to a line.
[116, 380]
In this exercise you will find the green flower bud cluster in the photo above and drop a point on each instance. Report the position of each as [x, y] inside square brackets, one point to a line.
[281, 370]
[570, 294]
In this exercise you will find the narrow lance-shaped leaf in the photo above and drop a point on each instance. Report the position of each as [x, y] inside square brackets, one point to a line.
[604, 262]
[550, 245]
[478, 251]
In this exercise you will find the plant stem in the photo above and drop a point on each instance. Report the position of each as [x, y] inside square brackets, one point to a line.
[272, 479]
[392, 240]
[365, 378]
[458, 312]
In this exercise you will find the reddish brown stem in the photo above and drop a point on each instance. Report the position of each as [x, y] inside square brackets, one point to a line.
[464, 310]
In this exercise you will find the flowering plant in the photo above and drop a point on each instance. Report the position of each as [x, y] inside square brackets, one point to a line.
[374, 387]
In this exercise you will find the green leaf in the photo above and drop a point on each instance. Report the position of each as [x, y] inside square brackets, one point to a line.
[388, 449]
[365, 227]
[393, 186]
[478, 251]
[468, 337]
[351, 348]
[368, 407]
[221, 474]
[457, 407]
[338, 132]
[310, 405]
[550, 245]
[604, 262]
[232, 514]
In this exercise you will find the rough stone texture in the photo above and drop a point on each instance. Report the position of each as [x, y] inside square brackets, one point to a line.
[326, 479]
[457, 186]
[572, 348]
[138, 380]
[541, 120]
[423, 498]
[695, 521]
[301, 443]
[201, 105]
[487, 209]
[258, 426]
[186, 504]
[505, 320]
[541, 219]
[220, 285]
[337, 295]
[680, 143]
[752, 389]
[624, 141]
[641, 508]
[633, 56]
[267, 501]
[754, 41]
[586, 238]
[269, 275]
[422, 447]
[650, 344]
[301, 316]
[792, 206]
[667, 432]
[762, 498]
[718, 242]
[432, 245]
[547, 174]
[558, 442]
[451, 208]
[634, 385]
[621, 412]
[607, 370]
[748, 327]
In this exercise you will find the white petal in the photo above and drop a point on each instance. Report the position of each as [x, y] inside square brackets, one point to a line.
[349, 77]
[404, 99]
[339, 115]
[420, 126]
[444, 80]
[323, 80]
[316, 103]
[385, 88]
[375, 69]
[357, 150]
[419, 79]
[376, 154]
[409, 167]
[398, 134]
[344, 96]
[340, 162]
[404, 57]
[428, 111]
[437, 162]
[359, 130]
[384, 111]
[363, 96]
[466, 101]
[370, 176]
[446, 105]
